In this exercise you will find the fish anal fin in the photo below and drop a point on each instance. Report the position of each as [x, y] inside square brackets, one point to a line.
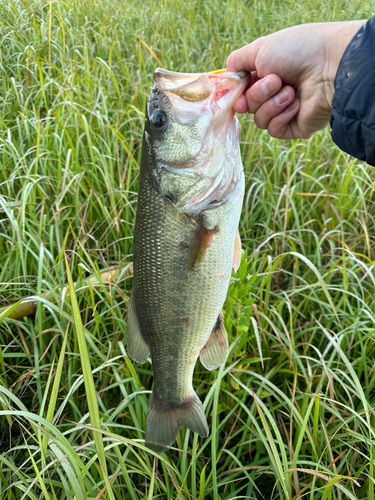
[214, 353]
[136, 346]
[163, 422]
[200, 242]
[237, 252]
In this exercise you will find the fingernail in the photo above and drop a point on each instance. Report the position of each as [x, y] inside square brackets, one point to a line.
[267, 86]
[281, 97]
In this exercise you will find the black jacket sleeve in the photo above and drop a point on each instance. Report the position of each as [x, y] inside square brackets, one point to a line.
[353, 105]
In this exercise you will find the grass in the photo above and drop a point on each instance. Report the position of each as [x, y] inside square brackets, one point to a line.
[291, 412]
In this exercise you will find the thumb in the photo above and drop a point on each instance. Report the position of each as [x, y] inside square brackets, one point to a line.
[244, 58]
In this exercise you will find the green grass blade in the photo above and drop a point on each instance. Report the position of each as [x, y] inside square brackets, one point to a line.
[88, 381]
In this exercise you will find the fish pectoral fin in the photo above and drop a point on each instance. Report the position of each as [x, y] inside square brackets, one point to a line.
[214, 353]
[163, 422]
[136, 346]
[200, 242]
[237, 252]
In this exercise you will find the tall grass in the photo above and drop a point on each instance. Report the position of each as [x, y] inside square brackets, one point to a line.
[291, 412]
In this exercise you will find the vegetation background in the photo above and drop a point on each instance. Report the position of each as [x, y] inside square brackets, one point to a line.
[292, 411]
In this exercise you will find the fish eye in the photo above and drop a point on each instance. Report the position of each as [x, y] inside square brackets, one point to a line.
[159, 120]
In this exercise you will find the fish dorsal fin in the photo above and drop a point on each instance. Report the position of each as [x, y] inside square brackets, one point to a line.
[136, 346]
[214, 353]
[237, 252]
[200, 242]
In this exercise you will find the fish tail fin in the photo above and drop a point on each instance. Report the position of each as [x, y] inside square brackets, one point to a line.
[164, 421]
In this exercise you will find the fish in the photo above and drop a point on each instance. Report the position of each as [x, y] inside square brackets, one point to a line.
[186, 241]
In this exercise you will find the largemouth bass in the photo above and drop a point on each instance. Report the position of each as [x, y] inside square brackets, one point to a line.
[186, 241]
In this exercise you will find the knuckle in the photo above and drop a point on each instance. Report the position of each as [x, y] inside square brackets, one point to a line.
[276, 134]
[260, 122]
[252, 107]
[254, 101]
[255, 95]
[276, 128]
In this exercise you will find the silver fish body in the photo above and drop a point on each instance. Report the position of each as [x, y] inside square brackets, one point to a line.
[185, 239]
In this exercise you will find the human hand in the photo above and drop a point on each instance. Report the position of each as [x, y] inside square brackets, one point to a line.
[293, 72]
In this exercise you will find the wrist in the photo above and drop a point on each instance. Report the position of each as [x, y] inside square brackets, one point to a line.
[336, 42]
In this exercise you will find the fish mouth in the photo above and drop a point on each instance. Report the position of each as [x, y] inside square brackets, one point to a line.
[193, 95]
[222, 88]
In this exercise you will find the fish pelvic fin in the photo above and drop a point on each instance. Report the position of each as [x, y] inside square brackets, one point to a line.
[136, 346]
[214, 353]
[163, 422]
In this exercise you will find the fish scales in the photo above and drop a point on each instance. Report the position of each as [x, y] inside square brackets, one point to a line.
[187, 312]
[182, 267]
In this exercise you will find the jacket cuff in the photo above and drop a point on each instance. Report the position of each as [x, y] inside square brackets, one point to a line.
[353, 105]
